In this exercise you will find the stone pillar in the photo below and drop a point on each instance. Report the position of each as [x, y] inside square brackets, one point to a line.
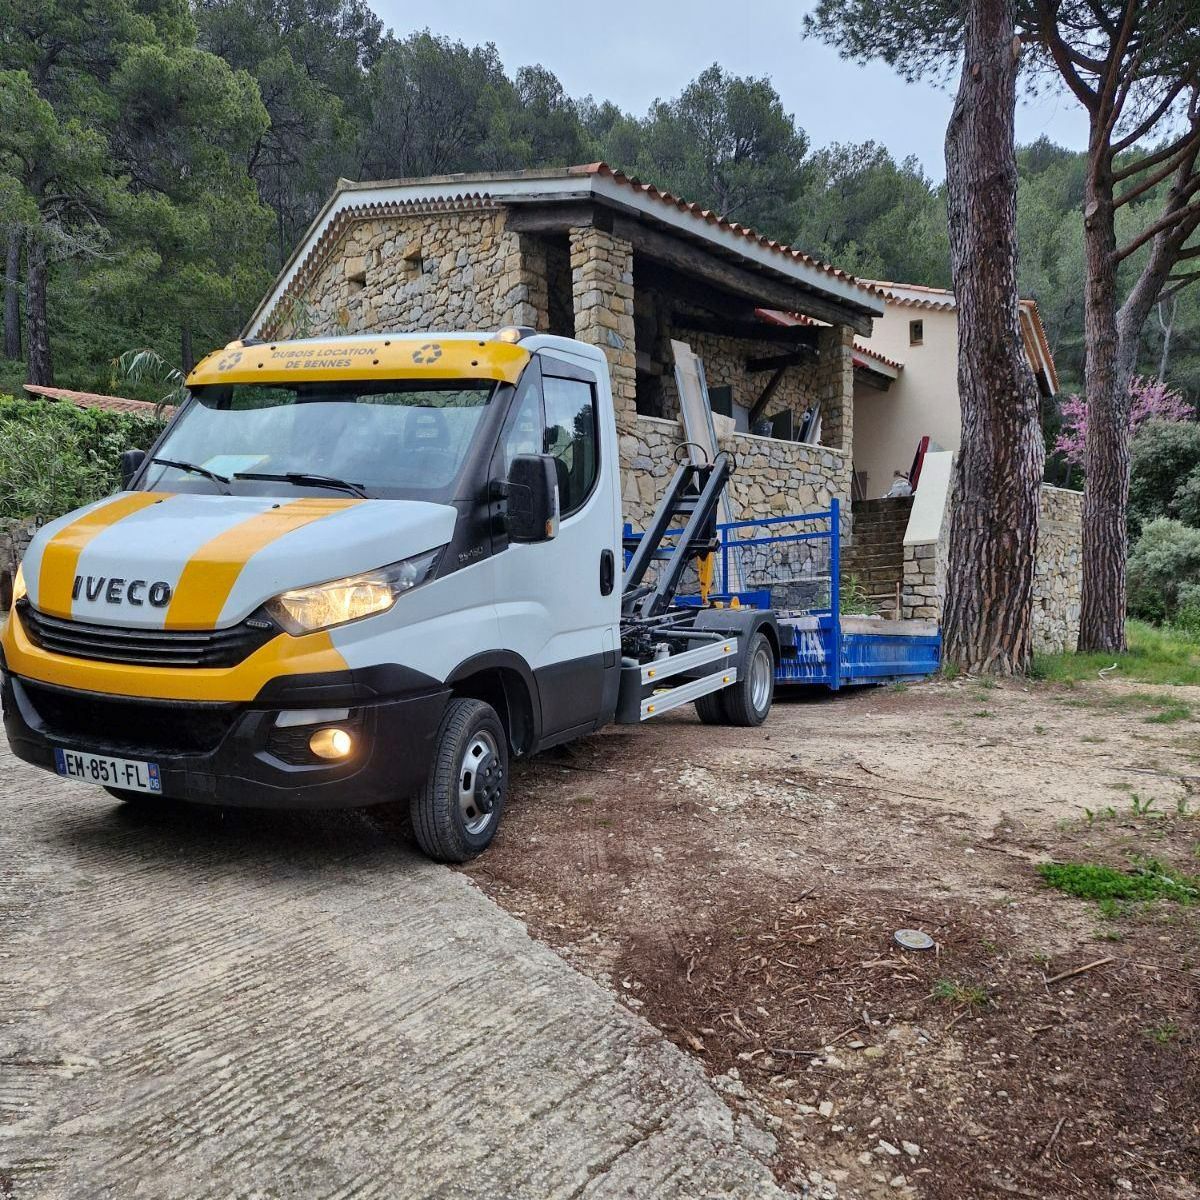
[528, 297]
[602, 292]
[835, 387]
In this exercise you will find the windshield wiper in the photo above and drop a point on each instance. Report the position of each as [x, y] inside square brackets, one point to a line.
[194, 469]
[305, 477]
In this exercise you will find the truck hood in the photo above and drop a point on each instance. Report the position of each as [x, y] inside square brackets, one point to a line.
[158, 560]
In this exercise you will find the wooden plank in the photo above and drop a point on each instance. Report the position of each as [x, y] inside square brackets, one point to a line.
[765, 397]
[557, 218]
[763, 290]
[774, 362]
[752, 330]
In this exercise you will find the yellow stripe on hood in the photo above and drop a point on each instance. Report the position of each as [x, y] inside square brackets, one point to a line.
[211, 572]
[60, 558]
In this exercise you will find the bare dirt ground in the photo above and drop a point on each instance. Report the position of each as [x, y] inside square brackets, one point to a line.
[740, 889]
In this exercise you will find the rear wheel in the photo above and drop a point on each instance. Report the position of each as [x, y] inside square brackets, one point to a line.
[456, 814]
[748, 701]
[711, 709]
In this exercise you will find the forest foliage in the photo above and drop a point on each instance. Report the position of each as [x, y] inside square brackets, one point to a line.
[169, 166]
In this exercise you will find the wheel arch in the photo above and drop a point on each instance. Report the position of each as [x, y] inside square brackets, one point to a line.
[742, 623]
[503, 680]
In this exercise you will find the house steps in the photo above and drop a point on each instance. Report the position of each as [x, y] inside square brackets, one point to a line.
[875, 559]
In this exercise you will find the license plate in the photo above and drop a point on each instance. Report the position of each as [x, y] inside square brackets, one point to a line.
[107, 771]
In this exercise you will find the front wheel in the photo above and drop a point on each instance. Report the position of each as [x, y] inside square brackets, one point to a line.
[456, 814]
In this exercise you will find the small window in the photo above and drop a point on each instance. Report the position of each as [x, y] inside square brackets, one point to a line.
[916, 333]
[524, 432]
[571, 437]
[720, 400]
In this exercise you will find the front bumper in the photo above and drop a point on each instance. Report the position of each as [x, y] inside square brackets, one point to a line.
[224, 753]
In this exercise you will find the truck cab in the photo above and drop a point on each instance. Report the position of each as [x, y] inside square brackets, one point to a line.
[352, 570]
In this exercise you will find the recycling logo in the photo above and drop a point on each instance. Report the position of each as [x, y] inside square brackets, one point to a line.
[230, 361]
[428, 353]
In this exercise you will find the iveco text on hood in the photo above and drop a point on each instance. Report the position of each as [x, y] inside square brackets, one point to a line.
[155, 560]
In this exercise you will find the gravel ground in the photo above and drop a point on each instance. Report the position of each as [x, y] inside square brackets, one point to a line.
[740, 889]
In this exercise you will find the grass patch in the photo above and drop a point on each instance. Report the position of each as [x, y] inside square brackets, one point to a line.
[1170, 714]
[1155, 655]
[1163, 1033]
[972, 995]
[1113, 889]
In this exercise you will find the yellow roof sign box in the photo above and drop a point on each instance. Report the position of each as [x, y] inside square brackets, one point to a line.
[417, 356]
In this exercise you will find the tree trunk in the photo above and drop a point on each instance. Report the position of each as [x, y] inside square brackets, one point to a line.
[12, 294]
[1106, 454]
[37, 328]
[1113, 338]
[1168, 328]
[993, 540]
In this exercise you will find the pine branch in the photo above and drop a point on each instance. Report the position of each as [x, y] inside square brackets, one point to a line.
[1167, 221]
[1191, 144]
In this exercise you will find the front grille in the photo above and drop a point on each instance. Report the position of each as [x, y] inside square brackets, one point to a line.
[147, 647]
[130, 724]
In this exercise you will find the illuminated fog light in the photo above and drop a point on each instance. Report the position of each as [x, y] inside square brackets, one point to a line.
[331, 743]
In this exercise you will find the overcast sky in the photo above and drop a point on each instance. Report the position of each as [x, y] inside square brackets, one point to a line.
[632, 51]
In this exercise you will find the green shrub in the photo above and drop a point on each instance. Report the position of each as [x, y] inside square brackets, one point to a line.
[1164, 477]
[1187, 612]
[1165, 561]
[55, 456]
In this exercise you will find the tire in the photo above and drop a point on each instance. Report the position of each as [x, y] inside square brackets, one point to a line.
[711, 709]
[456, 814]
[748, 701]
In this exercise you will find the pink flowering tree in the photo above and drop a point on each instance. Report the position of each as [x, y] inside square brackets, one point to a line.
[1152, 400]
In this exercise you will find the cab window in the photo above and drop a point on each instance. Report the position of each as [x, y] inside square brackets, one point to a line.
[524, 432]
[571, 437]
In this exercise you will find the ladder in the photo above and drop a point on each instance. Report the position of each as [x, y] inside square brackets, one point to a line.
[693, 494]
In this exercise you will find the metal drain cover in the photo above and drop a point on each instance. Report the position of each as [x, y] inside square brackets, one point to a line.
[913, 939]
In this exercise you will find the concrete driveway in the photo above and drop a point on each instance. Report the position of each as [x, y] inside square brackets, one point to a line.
[198, 1004]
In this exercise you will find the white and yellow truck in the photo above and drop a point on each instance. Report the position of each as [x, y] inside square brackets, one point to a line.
[370, 569]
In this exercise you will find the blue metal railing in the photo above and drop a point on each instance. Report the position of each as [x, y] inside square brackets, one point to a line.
[817, 648]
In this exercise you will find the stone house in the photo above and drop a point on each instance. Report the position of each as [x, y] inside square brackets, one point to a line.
[590, 253]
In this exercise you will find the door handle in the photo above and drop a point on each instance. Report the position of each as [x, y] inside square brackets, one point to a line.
[608, 572]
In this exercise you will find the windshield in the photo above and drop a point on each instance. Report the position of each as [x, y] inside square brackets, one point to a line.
[394, 439]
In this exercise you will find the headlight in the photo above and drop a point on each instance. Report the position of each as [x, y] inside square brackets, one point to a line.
[18, 587]
[305, 610]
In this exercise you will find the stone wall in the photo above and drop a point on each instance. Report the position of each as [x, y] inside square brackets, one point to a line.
[1058, 577]
[412, 271]
[725, 365]
[827, 377]
[15, 537]
[1058, 572]
[923, 589]
[772, 477]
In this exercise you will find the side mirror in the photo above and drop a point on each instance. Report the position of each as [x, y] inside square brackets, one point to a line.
[131, 460]
[532, 514]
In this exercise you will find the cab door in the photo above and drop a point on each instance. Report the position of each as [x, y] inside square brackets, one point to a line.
[559, 601]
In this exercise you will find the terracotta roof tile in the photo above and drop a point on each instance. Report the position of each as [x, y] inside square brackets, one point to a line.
[775, 316]
[713, 218]
[119, 404]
